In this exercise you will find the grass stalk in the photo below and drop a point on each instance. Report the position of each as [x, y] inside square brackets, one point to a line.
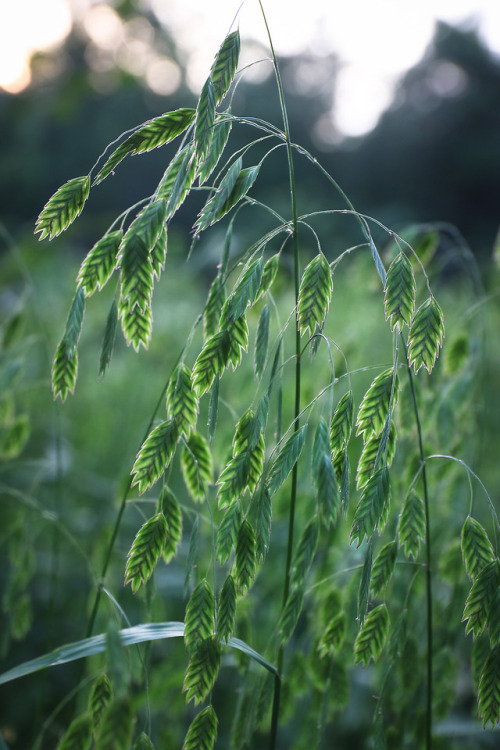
[293, 491]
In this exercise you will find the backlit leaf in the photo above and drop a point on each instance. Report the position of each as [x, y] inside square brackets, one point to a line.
[196, 464]
[373, 507]
[261, 342]
[211, 361]
[269, 274]
[372, 635]
[476, 547]
[314, 295]
[108, 340]
[245, 291]
[376, 448]
[151, 135]
[200, 615]
[426, 335]
[136, 323]
[411, 528]
[240, 181]
[375, 405]
[213, 308]
[228, 532]
[399, 292]
[333, 637]
[155, 454]
[225, 64]
[159, 252]
[222, 129]
[63, 207]
[145, 551]
[100, 263]
[177, 180]
[74, 322]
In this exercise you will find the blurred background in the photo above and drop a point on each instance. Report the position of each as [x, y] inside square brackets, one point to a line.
[400, 105]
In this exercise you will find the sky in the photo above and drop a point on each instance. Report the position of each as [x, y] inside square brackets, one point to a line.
[375, 41]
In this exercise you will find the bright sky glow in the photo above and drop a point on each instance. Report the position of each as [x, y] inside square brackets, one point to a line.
[376, 42]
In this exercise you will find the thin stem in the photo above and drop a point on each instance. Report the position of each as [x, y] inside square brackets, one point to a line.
[428, 555]
[293, 492]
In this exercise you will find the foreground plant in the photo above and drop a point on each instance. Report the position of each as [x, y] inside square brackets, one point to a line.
[283, 445]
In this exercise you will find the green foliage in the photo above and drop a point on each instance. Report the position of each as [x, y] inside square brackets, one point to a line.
[202, 732]
[155, 454]
[225, 64]
[481, 597]
[324, 478]
[205, 116]
[145, 551]
[63, 207]
[108, 341]
[221, 131]
[245, 557]
[305, 552]
[64, 370]
[245, 291]
[115, 729]
[100, 263]
[286, 460]
[477, 551]
[378, 448]
[372, 635]
[143, 742]
[381, 397]
[261, 342]
[383, 568]
[341, 426]
[315, 294]
[234, 186]
[334, 635]
[182, 404]
[168, 505]
[291, 614]
[211, 361]
[178, 179]
[373, 507]
[227, 609]
[228, 532]
[489, 689]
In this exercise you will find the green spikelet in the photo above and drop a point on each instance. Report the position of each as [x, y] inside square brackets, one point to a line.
[64, 371]
[372, 635]
[205, 117]
[224, 66]
[426, 335]
[200, 615]
[481, 597]
[314, 295]
[245, 557]
[63, 207]
[489, 689]
[145, 551]
[202, 670]
[373, 507]
[334, 635]
[383, 567]
[211, 361]
[143, 742]
[286, 459]
[115, 729]
[291, 614]
[399, 293]
[341, 426]
[155, 454]
[182, 403]
[196, 465]
[78, 735]
[100, 263]
[100, 697]
[375, 405]
[202, 732]
[477, 551]
[227, 609]
[170, 508]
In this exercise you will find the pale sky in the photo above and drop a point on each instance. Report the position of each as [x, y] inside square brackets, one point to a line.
[376, 41]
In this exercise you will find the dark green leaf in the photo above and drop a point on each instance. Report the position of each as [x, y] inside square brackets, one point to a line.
[63, 207]
[426, 335]
[155, 454]
[371, 637]
[314, 295]
[373, 507]
[200, 615]
[196, 464]
[151, 135]
[225, 64]
[100, 263]
[202, 670]
[145, 551]
[202, 732]
[399, 292]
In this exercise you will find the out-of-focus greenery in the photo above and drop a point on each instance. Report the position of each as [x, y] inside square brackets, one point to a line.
[63, 468]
